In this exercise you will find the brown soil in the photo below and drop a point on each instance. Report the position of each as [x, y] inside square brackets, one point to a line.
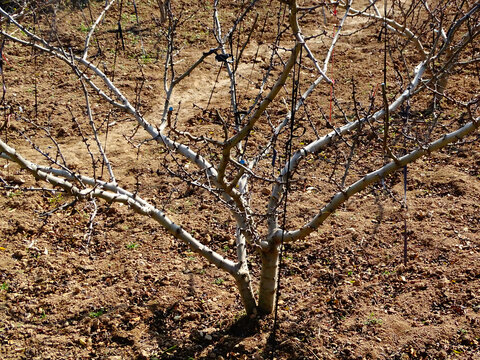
[132, 292]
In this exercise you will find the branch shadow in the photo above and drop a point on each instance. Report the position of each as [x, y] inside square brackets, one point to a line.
[224, 342]
[202, 340]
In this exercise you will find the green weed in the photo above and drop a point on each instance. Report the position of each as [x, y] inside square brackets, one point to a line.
[84, 28]
[42, 314]
[96, 314]
[373, 320]
[55, 200]
[12, 194]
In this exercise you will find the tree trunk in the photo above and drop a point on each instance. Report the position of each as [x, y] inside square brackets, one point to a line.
[244, 286]
[268, 280]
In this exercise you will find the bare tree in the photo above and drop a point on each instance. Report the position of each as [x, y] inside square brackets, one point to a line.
[281, 116]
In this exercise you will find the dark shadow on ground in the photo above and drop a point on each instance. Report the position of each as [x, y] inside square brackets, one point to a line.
[223, 342]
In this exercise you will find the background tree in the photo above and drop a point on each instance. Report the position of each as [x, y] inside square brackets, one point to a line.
[287, 121]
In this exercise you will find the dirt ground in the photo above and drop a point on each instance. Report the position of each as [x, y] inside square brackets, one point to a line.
[130, 291]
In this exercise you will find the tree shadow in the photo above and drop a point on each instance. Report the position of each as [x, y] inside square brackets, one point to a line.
[380, 212]
[203, 340]
[223, 342]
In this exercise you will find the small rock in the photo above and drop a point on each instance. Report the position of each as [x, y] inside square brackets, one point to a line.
[442, 282]
[467, 340]
[19, 254]
[143, 355]
[76, 290]
[442, 354]
[86, 268]
[94, 324]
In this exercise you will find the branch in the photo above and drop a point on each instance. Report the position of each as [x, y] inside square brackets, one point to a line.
[373, 177]
[266, 102]
[125, 105]
[319, 144]
[113, 193]
[92, 29]
[392, 25]
[95, 134]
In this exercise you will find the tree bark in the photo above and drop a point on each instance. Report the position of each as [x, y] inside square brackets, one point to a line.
[244, 286]
[268, 279]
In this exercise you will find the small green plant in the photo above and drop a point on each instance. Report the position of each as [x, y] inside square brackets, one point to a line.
[240, 315]
[288, 257]
[132, 246]
[133, 38]
[54, 200]
[42, 314]
[96, 314]
[129, 17]
[146, 58]
[84, 28]
[12, 194]
[170, 349]
[373, 320]
[4, 286]
[219, 281]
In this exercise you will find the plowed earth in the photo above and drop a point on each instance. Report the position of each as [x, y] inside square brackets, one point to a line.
[130, 291]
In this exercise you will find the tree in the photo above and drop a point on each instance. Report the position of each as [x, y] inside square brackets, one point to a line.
[260, 126]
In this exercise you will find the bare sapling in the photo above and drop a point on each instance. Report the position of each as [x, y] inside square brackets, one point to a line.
[276, 116]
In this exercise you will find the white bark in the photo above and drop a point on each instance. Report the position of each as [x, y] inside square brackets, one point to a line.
[229, 180]
[373, 177]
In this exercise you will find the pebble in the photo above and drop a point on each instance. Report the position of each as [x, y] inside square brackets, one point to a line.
[19, 254]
